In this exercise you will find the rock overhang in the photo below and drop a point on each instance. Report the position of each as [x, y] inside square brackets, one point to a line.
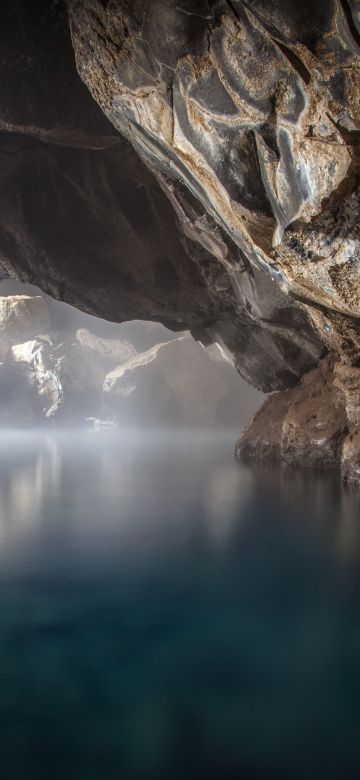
[219, 195]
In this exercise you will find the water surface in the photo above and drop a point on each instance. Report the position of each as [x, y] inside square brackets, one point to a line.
[166, 613]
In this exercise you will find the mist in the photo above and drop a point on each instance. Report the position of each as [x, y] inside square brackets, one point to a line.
[63, 368]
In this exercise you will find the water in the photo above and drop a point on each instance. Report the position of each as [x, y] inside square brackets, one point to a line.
[167, 614]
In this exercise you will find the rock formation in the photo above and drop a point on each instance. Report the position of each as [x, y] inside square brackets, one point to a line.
[222, 195]
[65, 379]
[316, 424]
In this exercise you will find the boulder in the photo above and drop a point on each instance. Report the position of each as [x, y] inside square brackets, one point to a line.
[316, 424]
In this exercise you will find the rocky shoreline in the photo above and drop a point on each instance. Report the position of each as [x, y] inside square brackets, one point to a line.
[314, 425]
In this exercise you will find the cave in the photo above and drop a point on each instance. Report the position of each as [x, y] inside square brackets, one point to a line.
[183, 601]
[209, 184]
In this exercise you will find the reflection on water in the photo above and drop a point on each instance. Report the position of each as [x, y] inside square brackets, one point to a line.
[167, 613]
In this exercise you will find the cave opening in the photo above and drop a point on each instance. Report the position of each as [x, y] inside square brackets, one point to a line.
[63, 367]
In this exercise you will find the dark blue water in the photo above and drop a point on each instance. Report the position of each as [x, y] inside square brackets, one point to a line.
[167, 614]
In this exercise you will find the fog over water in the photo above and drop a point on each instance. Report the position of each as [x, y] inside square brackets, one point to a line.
[166, 612]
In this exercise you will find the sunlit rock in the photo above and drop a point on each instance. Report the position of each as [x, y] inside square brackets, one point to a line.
[22, 317]
[64, 375]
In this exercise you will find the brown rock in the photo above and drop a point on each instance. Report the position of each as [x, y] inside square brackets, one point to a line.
[314, 425]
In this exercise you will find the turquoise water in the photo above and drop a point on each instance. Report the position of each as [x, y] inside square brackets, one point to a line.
[166, 613]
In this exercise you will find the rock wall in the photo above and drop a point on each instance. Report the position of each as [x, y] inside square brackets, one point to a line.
[248, 113]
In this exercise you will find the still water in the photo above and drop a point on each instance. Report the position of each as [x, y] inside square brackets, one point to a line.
[166, 614]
